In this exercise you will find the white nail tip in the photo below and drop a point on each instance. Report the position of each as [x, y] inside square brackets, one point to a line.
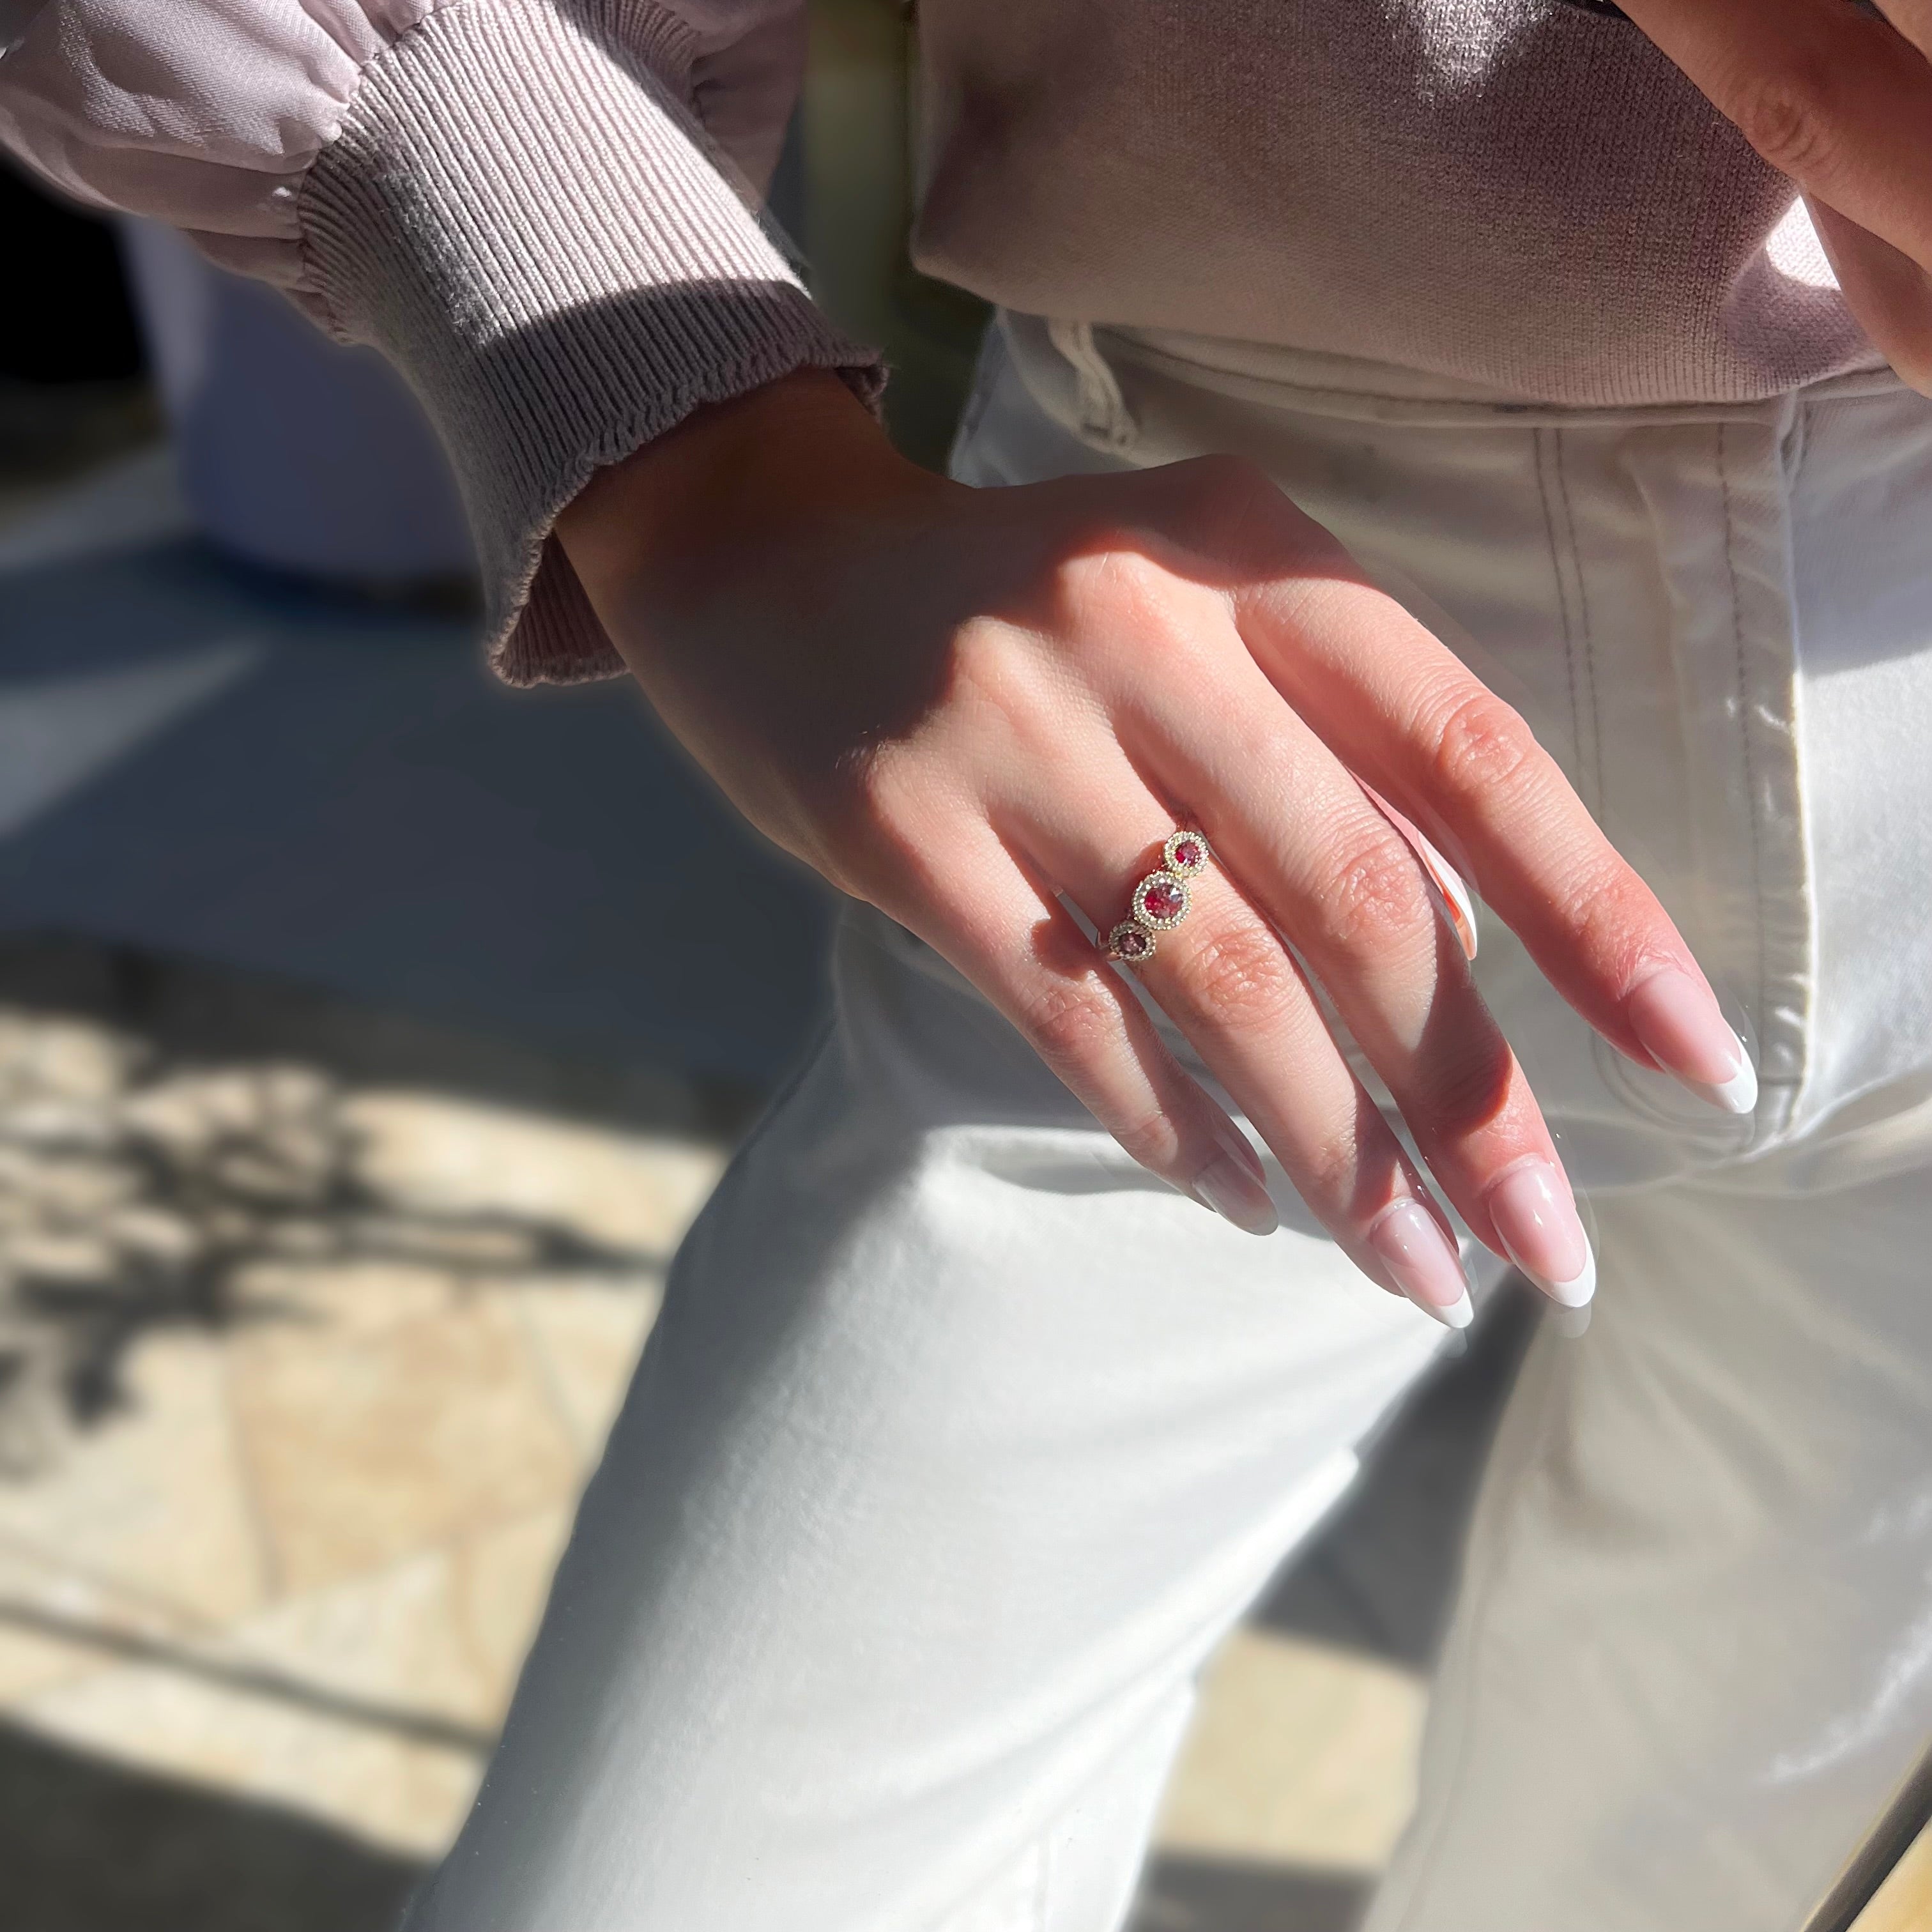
[1576, 1292]
[1737, 1095]
[1458, 1314]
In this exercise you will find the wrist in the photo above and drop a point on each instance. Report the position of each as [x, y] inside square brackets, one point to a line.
[733, 478]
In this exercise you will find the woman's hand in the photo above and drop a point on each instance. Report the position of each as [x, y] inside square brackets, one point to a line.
[964, 705]
[1841, 101]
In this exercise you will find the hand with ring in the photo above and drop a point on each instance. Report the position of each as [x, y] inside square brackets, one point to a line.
[1170, 700]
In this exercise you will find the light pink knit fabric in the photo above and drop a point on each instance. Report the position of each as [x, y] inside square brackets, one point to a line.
[522, 202]
[530, 204]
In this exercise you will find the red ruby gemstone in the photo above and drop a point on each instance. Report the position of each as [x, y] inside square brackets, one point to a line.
[1133, 945]
[1188, 852]
[1164, 899]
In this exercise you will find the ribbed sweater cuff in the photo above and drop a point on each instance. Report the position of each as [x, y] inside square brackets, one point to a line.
[519, 213]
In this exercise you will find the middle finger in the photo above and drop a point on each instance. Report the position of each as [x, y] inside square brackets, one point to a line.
[1326, 869]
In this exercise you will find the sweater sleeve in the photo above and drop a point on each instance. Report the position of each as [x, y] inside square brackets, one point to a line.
[540, 210]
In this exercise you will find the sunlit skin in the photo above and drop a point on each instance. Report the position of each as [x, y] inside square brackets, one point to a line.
[974, 708]
[1840, 100]
[963, 705]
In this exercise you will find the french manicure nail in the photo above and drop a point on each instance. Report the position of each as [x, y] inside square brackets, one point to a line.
[1422, 1262]
[1237, 1143]
[1536, 1222]
[1683, 1030]
[1447, 880]
[1227, 1185]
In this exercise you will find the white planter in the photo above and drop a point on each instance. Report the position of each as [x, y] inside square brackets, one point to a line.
[295, 453]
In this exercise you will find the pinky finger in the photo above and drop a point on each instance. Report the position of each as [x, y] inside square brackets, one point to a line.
[1049, 979]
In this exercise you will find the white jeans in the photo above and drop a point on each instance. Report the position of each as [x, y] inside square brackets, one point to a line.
[961, 1440]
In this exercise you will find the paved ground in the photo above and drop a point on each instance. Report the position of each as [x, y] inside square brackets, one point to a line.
[315, 1319]
[301, 1376]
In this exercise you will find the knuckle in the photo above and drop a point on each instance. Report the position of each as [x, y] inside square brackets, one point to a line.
[1237, 973]
[995, 674]
[1234, 509]
[1614, 918]
[1117, 605]
[1479, 748]
[1150, 1139]
[1786, 115]
[982, 649]
[873, 796]
[1233, 484]
[1075, 1028]
[1109, 575]
[1375, 895]
[870, 819]
[1070, 1025]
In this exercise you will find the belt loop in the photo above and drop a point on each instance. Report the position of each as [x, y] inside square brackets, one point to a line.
[1103, 409]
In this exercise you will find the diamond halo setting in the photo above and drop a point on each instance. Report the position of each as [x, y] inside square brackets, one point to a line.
[1161, 900]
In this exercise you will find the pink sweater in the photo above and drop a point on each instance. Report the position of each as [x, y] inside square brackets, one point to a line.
[543, 210]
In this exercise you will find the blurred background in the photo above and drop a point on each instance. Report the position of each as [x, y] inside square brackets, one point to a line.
[352, 1103]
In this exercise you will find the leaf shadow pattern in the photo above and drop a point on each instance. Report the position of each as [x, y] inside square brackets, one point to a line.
[142, 1183]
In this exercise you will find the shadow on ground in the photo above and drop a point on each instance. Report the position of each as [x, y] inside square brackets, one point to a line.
[1209, 1895]
[87, 1847]
[147, 1166]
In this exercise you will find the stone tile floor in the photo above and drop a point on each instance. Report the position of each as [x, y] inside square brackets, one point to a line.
[302, 1361]
[302, 1376]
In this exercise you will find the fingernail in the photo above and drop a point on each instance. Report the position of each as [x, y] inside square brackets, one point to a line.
[1536, 1222]
[1227, 1185]
[1422, 1262]
[1683, 1030]
[1447, 880]
[1234, 1141]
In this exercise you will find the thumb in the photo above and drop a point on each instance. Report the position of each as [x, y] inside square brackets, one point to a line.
[1886, 289]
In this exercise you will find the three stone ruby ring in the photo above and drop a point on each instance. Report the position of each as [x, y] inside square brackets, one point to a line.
[1160, 900]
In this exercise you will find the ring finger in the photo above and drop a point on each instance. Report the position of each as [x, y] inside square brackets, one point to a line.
[1220, 973]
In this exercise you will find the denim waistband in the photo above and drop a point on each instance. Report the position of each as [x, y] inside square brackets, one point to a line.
[1101, 367]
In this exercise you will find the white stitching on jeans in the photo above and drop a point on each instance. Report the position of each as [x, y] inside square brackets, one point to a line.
[1541, 446]
[1743, 716]
[1590, 753]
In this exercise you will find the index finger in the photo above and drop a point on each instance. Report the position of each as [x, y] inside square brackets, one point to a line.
[1401, 710]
